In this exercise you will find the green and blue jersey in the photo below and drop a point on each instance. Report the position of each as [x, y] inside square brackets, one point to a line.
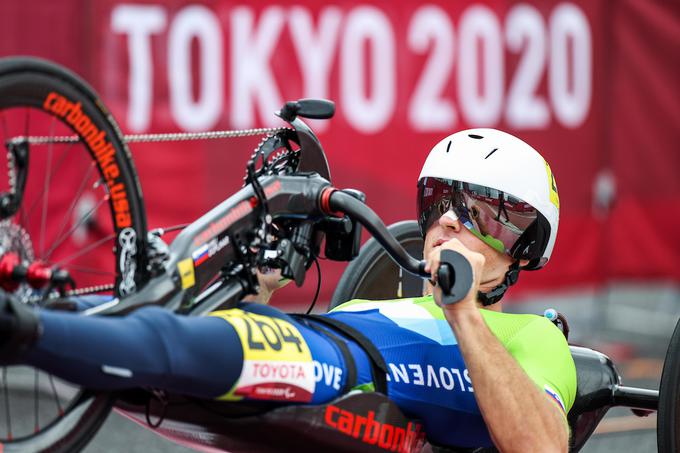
[427, 375]
[260, 353]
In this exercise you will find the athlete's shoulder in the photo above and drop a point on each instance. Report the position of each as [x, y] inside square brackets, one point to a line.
[426, 302]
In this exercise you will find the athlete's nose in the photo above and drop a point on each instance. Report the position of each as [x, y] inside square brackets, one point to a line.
[450, 220]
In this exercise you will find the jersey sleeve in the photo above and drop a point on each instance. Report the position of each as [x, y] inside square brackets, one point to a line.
[542, 351]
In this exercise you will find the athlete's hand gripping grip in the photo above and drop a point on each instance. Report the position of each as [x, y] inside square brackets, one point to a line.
[454, 276]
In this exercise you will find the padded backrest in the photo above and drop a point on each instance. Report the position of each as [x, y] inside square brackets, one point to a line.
[595, 377]
[373, 275]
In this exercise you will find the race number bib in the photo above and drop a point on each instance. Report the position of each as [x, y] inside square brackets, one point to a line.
[277, 363]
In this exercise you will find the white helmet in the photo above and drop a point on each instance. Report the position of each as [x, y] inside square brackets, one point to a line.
[499, 186]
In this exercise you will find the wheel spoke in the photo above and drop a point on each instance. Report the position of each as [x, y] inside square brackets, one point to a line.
[23, 220]
[57, 167]
[75, 227]
[36, 394]
[85, 250]
[60, 410]
[79, 194]
[90, 270]
[7, 411]
[46, 190]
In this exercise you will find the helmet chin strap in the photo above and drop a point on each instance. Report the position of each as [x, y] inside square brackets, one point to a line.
[496, 294]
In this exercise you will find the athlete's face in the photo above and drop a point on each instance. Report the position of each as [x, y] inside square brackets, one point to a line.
[449, 227]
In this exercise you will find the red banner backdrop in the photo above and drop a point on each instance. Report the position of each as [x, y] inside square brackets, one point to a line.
[593, 85]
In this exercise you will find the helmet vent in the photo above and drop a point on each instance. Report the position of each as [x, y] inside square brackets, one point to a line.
[489, 155]
[448, 147]
[476, 137]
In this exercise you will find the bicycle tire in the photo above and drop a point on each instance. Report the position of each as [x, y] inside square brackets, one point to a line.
[373, 275]
[56, 97]
[668, 415]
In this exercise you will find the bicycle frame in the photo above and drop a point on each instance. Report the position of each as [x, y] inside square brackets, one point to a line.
[206, 248]
[203, 249]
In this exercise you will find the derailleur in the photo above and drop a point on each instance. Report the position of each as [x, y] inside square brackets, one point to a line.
[158, 252]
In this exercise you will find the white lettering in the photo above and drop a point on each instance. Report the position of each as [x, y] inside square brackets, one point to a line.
[330, 374]
[337, 375]
[417, 374]
[480, 89]
[413, 373]
[447, 378]
[252, 80]
[318, 373]
[399, 373]
[431, 377]
[363, 42]
[525, 33]
[327, 373]
[199, 23]
[467, 378]
[139, 22]
[429, 110]
[315, 51]
[570, 85]
[456, 371]
[368, 108]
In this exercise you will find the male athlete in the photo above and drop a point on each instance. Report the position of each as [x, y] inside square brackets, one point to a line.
[473, 375]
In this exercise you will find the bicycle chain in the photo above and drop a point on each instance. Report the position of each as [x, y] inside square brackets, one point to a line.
[138, 138]
[156, 138]
[11, 173]
[90, 290]
[39, 298]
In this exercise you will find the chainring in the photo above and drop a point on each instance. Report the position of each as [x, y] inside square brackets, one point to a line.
[275, 155]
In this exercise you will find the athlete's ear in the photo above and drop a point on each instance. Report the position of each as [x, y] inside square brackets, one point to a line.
[523, 263]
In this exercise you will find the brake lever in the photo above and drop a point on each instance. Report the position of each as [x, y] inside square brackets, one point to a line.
[454, 276]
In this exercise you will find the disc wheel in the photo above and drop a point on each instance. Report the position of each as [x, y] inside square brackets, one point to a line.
[374, 275]
[668, 417]
[71, 222]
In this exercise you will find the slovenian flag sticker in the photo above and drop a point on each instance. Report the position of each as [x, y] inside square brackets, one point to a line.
[200, 254]
[553, 394]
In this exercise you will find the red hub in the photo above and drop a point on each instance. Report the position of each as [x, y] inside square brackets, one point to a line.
[12, 273]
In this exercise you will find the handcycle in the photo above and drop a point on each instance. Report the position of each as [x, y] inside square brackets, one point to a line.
[286, 210]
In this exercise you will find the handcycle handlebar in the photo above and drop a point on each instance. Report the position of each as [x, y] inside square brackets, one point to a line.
[338, 201]
[454, 274]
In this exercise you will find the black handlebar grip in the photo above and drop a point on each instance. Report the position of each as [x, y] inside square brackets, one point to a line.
[320, 109]
[454, 276]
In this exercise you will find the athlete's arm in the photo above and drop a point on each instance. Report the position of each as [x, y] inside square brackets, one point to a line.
[269, 282]
[519, 416]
